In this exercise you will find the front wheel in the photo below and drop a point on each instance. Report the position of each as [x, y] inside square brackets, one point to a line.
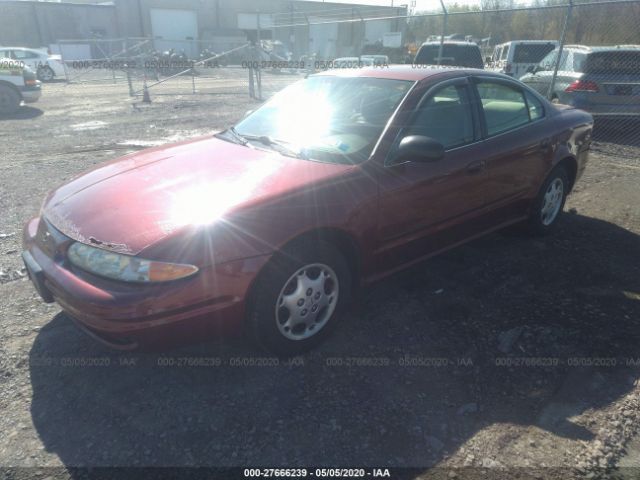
[548, 205]
[298, 298]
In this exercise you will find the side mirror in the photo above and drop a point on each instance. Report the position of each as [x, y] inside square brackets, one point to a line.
[418, 148]
[531, 69]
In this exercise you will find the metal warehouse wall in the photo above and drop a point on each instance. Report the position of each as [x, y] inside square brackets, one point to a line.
[218, 19]
[39, 24]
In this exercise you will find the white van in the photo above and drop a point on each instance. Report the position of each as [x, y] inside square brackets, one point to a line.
[515, 57]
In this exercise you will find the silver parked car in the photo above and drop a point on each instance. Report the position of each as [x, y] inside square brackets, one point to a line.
[604, 81]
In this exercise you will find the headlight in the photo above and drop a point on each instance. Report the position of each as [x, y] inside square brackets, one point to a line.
[124, 267]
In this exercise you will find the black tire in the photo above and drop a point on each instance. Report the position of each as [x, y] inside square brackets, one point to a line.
[262, 321]
[538, 223]
[9, 100]
[45, 74]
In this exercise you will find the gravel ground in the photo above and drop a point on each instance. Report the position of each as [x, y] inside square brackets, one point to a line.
[511, 354]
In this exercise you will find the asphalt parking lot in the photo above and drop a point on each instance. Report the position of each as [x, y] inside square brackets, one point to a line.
[513, 354]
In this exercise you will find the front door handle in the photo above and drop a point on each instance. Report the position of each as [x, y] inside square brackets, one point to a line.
[476, 167]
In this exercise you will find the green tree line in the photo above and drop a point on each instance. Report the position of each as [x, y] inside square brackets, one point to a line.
[590, 24]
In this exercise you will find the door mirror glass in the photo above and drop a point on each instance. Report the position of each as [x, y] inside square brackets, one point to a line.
[418, 148]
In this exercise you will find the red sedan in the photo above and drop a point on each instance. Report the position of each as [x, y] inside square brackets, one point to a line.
[269, 226]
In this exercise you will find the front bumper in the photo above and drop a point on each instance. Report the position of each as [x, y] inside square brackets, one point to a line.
[31, 94]
[134, 316]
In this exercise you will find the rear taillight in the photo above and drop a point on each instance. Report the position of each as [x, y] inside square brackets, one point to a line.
[582, 86]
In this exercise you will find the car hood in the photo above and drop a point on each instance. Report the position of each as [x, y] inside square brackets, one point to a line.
[131, 203]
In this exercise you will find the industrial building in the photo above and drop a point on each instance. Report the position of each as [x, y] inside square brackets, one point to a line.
[304, 27]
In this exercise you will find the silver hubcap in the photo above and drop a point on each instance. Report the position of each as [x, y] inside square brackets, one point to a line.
[46, 74]
[307, 301]
[552, 202]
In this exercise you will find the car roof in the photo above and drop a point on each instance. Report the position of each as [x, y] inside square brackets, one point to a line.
[452, 42]
[527, 41]
[609, 48]
[22, 48]
[407, 72]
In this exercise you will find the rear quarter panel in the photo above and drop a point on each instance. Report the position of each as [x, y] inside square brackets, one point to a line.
[575, 128]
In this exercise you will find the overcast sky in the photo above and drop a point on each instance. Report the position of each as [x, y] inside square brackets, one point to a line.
[420, 4]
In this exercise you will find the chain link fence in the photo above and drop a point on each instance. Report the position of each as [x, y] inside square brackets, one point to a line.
[582, 54]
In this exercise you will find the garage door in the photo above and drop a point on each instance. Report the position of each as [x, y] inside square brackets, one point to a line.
[322, 39]
[375, 30]
[177, 29]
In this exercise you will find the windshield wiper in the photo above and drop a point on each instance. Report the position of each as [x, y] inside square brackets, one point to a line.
[281, 146]
[232, 135]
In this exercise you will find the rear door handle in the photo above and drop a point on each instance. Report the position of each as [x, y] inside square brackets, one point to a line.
[476, 167]
[546, 144]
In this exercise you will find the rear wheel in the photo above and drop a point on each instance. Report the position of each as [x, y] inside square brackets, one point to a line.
[9, 100]
[547, 208]
[45, 74]
[298, 298]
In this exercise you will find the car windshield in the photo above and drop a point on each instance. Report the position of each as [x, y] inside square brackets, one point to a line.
[325, 118]
[532, 52]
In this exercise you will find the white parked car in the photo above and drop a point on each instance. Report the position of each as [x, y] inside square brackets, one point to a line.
[514, 58]
[377, 60]
[17, 84]
[47, 67]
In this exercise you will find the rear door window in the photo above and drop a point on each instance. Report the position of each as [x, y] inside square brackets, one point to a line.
[579, 59]
[613, 62]
[24, 55]
[504, 106]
